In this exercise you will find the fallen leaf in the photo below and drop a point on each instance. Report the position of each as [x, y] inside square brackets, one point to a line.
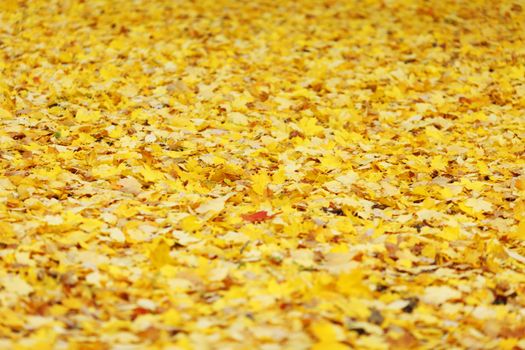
[16, 285]
[214, 205]
[130, 184]
[258, 216]
[439, 295]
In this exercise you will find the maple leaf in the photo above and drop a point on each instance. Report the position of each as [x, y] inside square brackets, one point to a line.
[258, 216]
[160, 254]
[130, 184]
[84, 115]
[440, 294]
[260, 182]
[478, 204]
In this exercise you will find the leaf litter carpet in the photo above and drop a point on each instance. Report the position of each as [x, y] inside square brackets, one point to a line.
[262, 174]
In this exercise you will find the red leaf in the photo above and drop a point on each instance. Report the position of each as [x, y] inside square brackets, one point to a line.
[258, 216]
[140, 311]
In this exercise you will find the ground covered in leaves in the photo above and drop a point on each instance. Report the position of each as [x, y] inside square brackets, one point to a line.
[262, 174]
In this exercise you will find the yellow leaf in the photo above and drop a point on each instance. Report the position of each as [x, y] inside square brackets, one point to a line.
[445, 193]
[478, 204]
[11, 318]
[86, 116]
[140, 115]
[190, 223]
[91, 224]
[260, 183]
[5, 114]
[309, 126]
[238, 118]
[172, 318]
[348, 178]
[351, 284]
[73, 303]
[151, 175]
[16, 285]
[184, 238]
[472, 185]
[6, 233]
[115, 131]
[483, 168]
[330, 162]
[510, 343]
[520, 230]
[439, 163]
[433, 133]
[279, 177]
[329, 346]
[83, 139]
[449, 233]
[439, 295]
[130, 184]
[372, 342]
[327, 332]
[160, 254]
[125, 210]
[213, 205]
[108, 72]
[105, 171]
[117, 235]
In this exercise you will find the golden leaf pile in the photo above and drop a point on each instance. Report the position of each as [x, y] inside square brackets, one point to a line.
[262, 174]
